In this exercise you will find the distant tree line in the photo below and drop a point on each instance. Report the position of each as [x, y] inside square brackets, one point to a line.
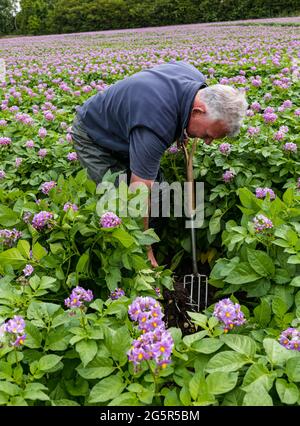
[65, 16]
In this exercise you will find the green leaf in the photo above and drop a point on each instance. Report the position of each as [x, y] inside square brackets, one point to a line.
[242, 344]
[33, 336]
[185, 396]
[47, 362]
[8, 217]
[77, 386]
[260, 262]
[121, 342]
[262, 313]
[113, 277]
[64, 403]
[248, 199]
[215, 222]
[288, 392]
[258, 397]
[97, 369]
[171, 399]
[13, 258]
[87, 350]
[221, 382]
[277, 353]
[191, 338]
[124, 237]
[9, 388]
[83, 262]
[195, 384]
[242, 274]
[208, 345]
[35, 394]
[258, 375]
[198, 319]
[293, 369]
[279, 306]
[295, 282]
[226, 361]
[107, 389]
[24, 248]
[125, 400]
[38, 251]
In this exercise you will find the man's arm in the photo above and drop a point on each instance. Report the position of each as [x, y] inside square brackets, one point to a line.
[136, 180]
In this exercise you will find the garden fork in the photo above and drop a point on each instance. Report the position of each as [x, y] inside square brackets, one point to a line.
[195, 283]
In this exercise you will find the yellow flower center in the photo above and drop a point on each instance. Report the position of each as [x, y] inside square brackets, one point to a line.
[162, 349]
[140, 356]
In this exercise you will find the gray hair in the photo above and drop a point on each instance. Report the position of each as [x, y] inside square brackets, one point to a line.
[225, 103]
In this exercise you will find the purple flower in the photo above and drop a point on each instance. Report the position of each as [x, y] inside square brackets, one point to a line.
[3, 123]
[284, 129]
[2, 174]
[117, 293]
[268, 97]
[29, 144]
[16, 325]
[290, 146]
[173, 149]
[270, 117]
[19, 340]
[27, 217]
[69, 205]
[110, 220]
[262, 223]
[18, 161]
[63, 125]
[156, 345]
[78, 296]
[290, 339]
[228, 176]
[157, 291]
[42, 219]
[47, 186]
[262, 192]
[155, 342]
[72, 156]
[253, 131]
[256, 106]
[9, 237]
[278, 136]
[298, 183]
[49, 116]
[225, 148]
[42, 132]
[27, 271]
[297, 112]
[229, 313]
[5, 141]
[69, 137]
[287, 104]
[42, 153]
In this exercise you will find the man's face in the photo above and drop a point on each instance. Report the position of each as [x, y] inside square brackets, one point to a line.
[200, 126]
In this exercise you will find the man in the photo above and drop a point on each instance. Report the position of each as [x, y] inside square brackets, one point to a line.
[130, 125]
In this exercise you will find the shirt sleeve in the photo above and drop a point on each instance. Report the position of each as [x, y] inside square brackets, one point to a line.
[145, 152]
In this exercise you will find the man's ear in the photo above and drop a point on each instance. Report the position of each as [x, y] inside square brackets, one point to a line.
[199, 108]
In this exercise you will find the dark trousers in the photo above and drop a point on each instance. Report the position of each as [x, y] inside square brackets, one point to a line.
[98, 160]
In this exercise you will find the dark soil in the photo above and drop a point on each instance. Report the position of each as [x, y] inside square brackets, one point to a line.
[176, 305]
[177, 302]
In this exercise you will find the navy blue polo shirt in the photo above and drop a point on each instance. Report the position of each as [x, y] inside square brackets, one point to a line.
[142, 115]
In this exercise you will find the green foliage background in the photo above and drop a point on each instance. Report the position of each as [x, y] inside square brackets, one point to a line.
[65, 16]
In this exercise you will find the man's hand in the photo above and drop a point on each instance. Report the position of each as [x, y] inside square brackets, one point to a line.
[151, 257]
